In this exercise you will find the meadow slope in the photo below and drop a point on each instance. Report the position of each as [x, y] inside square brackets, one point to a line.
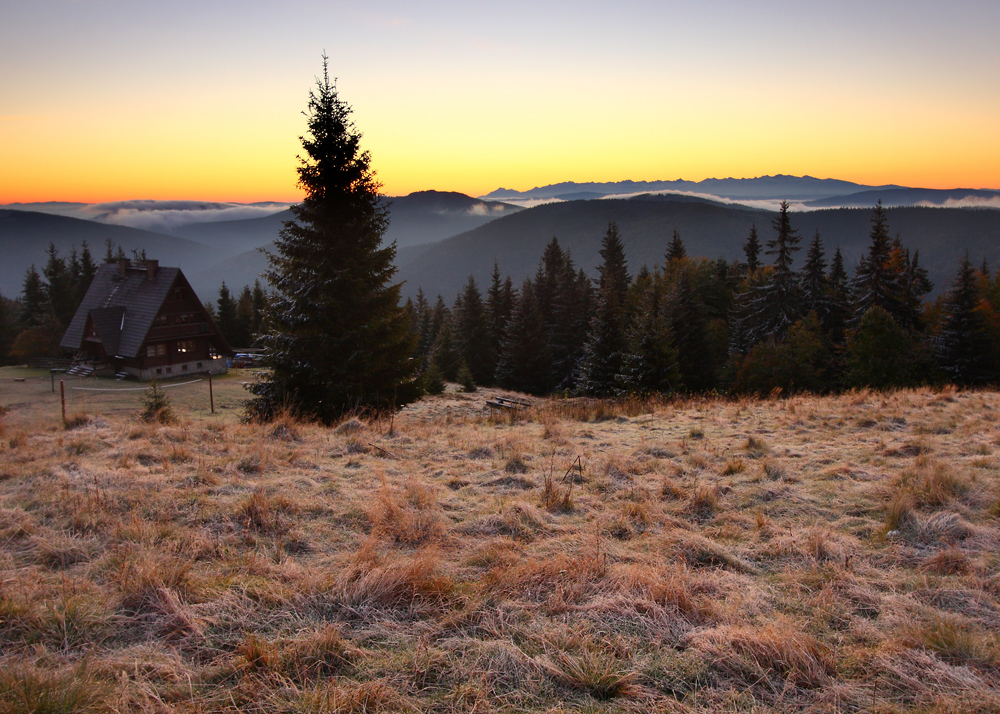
[828, 554]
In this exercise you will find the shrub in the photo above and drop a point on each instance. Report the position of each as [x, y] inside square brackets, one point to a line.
[156, 405]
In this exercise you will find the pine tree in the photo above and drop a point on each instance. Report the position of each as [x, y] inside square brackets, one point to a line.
[6, 329]
[614, 266]
[35, 307]
[964, 346]
[773, 307]
[88, 268]
[525, 360]
[244, 318]
[499, 306]
[225, 315]
[338, 339]
[751, 249]
[474, 338]
[651, 363]
[59, 288]
[675, 249]
[815, 284]
[259, 310]
[446, 353]
[601, 363]
[875, 280]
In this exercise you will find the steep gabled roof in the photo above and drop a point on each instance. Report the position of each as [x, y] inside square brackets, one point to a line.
[133, 299]
[108, 323]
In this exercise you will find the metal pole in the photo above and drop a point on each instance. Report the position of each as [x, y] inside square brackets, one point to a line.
[211, 395]
[52, 375]
[62, 395]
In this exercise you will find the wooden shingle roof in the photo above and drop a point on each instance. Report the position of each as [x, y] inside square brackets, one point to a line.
[122, 307]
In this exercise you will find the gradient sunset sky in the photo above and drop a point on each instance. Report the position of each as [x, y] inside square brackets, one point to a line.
[128, 99]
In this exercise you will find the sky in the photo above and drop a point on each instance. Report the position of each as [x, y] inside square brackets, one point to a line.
[104, 100]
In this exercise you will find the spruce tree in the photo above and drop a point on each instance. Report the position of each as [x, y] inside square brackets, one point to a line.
[225, 316]
[651, 363]
[499, 306]
[815, 284]
[964, 346]
[59, 288]
[875, 281]
[474, 337]
[525, 360]
[751, 249]
[601, 363]
[614, 266]
[35, 308]
[675, 249]
[338, 340]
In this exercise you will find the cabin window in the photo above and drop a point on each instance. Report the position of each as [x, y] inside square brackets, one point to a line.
[159, 370]
[184, 368]
[187, 346]
[197, 365]
[157, 350]
[161, 321]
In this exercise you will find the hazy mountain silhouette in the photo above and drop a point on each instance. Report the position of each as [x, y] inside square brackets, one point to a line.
[780, 187]
[708, 229]
[952, 197]
[25, 236]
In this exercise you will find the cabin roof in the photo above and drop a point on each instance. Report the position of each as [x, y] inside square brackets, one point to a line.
[122, 307]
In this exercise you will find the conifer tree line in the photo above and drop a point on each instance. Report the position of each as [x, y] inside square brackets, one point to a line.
[788, 317]
[240, 319]
[32, 324]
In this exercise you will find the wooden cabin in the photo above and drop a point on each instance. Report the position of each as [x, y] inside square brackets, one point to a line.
[145, 321]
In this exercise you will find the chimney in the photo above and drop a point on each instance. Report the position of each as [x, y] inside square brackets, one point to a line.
[152, 266]
[122, 267]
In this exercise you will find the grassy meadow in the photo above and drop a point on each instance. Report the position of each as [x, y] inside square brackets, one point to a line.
[822, 554]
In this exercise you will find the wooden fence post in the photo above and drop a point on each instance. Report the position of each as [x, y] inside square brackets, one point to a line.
[211, 395]
[62, 396]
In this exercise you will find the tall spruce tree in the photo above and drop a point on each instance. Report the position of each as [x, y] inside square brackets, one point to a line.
[815, 283]
[338, 339]
[875, 280]
[225, 316]
[614, 266]
[474, 341]
[675, 249]
[525, 361]
[965, 348]
[751, 249]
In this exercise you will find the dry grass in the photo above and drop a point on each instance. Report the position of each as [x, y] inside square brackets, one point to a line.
[808, 554]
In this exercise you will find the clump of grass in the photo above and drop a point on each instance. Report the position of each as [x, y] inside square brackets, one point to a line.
[407, 517]
[696, 433]
[750, 656]
[772, 470]
[265, 512]
[900, 515]
[756, 447]
[37, 690]
[599, 674]
[954, 642]
[949, 561]
[556, 498]
[76, 421]
[704, 502]
[734, 466]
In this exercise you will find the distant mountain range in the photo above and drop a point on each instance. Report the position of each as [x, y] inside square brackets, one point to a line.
[444, 237]
[213, 251]
[791, 188]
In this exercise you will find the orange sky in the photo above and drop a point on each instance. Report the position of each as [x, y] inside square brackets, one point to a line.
[110, 100]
